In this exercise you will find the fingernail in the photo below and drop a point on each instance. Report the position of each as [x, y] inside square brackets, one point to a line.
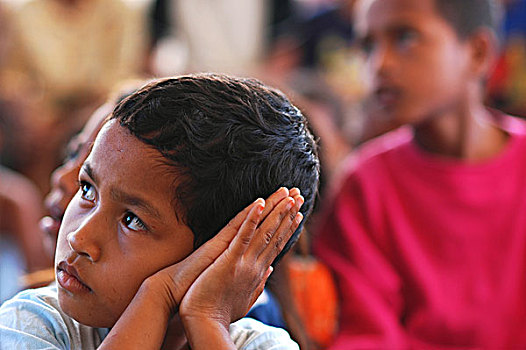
[284, 189]
[269, 271]
[300, 200]
[260, 202]
[294, 192]
[298, 218]
[290, 203]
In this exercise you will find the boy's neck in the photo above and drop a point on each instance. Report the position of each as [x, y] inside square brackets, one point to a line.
[468, 133]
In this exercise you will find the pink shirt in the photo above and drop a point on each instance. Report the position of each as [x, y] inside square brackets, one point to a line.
[429, 252]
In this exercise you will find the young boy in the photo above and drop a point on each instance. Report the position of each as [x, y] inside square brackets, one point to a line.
[166, 172]
[427, 233]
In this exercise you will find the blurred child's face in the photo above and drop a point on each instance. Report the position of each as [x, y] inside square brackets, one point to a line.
[417, 68]
[118, 229]
[64, 180]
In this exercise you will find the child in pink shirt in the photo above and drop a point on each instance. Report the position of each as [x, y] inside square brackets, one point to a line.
[426, 234]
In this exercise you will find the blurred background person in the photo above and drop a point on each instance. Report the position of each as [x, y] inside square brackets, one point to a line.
[222, 35]
[73, 52]
[62, 59]
[21, 248]
[425, 231]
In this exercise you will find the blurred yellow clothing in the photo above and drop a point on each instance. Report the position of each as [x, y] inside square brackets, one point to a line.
[69, 50]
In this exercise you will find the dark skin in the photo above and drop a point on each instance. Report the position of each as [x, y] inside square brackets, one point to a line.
[471, 137]
[423, 74]
[69, 2]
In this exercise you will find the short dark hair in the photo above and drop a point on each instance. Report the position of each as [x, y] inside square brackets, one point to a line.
[467, 16]
[228, 140]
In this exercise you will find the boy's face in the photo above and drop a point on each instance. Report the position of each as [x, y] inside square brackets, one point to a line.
[118, 229]
[416, 66]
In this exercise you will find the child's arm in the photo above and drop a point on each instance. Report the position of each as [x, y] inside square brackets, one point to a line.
[144, 322]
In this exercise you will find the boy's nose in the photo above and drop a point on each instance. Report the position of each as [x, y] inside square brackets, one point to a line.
[381, 61]
[83, 241]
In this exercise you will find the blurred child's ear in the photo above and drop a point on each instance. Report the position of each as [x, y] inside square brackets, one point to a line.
[483, 45]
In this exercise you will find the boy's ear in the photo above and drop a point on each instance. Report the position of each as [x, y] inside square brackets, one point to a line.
[483, 49]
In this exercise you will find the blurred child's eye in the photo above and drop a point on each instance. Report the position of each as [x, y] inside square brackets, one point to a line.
[71, 154]
[72, 151]
[87, 191]
[133, 222]
[406, 37]
[366, 45]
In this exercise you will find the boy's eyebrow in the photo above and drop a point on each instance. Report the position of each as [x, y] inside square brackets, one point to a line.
[398, 26]
[131, 200]
[89, 170]
[392, 26]
[123, 197]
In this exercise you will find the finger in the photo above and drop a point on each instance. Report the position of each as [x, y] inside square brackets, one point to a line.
[288, 226]
[228, 232]
[188, 270]
[268, 227]
[274, 200]
[294, 192]
[248, 228]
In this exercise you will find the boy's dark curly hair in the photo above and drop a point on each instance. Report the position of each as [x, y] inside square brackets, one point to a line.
[228, 141]
[467, 16]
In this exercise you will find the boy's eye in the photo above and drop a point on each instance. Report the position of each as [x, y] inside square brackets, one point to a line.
[71, 154]
[72, 151]
[405, 38]
[366, 45]
[133, 222]
[87, 191]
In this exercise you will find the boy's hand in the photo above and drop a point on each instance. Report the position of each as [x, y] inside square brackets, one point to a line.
[226, 275]
[173, 282]
[227, 289]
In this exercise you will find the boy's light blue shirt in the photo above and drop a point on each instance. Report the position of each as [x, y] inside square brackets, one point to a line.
[34, 320]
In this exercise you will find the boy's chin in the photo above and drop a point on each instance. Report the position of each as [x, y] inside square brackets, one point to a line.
[91, 316]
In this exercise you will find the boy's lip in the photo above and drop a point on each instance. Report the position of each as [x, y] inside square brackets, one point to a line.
[387, 96]
[69, 279]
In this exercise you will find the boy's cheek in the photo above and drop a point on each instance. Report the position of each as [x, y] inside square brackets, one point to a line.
[71, 216]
